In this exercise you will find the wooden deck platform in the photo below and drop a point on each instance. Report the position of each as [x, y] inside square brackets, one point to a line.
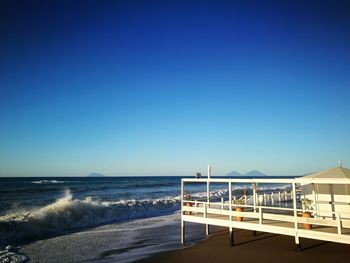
[277, 220]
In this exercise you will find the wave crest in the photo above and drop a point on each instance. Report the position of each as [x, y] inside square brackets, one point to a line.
[48, 182]
[68, 214]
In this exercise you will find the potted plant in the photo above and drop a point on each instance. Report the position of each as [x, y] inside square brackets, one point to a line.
[239, 208]
[188, 197]
[307, 205]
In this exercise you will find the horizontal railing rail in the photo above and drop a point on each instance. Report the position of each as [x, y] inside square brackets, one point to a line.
[269, 215]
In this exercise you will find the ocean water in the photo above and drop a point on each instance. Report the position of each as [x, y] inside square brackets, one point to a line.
[38, 212]
[34, 207]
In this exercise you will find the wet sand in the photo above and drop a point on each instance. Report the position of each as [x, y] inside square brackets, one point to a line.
[120, 242]
[264, 247]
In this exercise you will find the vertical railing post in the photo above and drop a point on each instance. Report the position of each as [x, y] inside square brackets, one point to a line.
[205, 216]
[254, 197]
[272, 199]
[339, 225]
[314, 199]
[295, 217]
[285, 196]
[208, 197]
[182, 221]
[230, 197]
[232, 242]
[182, 195]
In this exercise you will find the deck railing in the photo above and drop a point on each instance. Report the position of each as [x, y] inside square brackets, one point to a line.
[265, 218]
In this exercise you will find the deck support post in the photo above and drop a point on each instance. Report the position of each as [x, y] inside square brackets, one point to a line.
[182, 232]
[254, 233]
[232, 240]
[297, 243]
[207, 229]
[208, 197]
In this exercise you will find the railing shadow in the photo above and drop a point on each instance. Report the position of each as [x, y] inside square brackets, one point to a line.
[258, 237]
[308, 247]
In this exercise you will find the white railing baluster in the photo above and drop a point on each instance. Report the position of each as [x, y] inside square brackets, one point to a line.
[260, 216]
[339, 225]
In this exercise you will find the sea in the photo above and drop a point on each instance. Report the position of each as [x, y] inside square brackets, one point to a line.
[104, 219]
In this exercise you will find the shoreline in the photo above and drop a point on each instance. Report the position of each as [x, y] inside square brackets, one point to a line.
[121, 242]
[264, 247]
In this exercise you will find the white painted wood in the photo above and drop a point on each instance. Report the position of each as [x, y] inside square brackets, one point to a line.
[230, 197]
[268, 219]
[295, 209]
[254, 196]
[236, 180]
[272, 198]
[260, 216]
[182, 237]
[339, 226]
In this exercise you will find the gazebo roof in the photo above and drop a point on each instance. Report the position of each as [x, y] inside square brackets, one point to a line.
[338, 175]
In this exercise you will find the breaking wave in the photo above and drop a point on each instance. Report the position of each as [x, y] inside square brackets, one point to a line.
[47, 182]
[67, 214]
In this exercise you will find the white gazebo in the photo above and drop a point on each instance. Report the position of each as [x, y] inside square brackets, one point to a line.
[329, 192]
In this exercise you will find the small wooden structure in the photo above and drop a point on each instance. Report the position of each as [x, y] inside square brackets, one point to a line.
[330, 223]
[328, 191]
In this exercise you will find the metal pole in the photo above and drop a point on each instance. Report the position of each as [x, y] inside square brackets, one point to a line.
[182, 221]
[230, 197]
[254, 196]
[208, 197]
[297, 243]
[230, 209]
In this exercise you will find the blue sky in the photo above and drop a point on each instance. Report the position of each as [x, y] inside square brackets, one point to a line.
[166, 87]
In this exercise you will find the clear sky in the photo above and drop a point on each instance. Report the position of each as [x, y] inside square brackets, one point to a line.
[166, 87]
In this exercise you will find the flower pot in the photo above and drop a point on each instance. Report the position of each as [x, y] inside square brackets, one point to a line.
[307, 215]
[239, 218]
[190, 205]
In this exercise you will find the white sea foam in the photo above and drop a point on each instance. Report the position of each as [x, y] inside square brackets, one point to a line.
[67, 213]
[10, 254]
[237, 188]
[47, 182]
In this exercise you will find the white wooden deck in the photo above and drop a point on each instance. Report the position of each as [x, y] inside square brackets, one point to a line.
[277, 220]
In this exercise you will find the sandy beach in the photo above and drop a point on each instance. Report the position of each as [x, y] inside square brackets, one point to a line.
[264, 247]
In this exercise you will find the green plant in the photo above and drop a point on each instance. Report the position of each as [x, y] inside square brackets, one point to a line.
[187, 196]
[307, 204]
[239, 201]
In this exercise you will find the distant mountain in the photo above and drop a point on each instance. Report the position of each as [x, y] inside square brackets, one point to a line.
[96, 175]
[254, 173]
[234, 174]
